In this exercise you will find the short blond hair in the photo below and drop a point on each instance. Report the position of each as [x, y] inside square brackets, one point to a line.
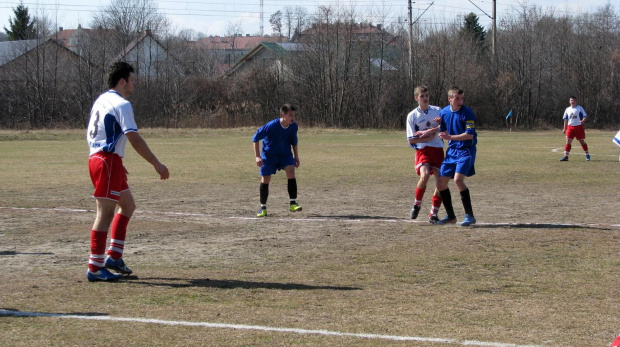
[453, 91]
[419, 90]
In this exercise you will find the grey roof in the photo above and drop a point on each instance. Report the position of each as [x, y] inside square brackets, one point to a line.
[10, 50]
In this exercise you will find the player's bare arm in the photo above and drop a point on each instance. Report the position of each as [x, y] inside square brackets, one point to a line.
[296, 155]
[259, 160]
[460, 137]
[138, 143]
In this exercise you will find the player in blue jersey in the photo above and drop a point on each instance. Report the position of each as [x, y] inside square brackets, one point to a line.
[574, 119]
[278, 136]
[458, 126]
[111, 124]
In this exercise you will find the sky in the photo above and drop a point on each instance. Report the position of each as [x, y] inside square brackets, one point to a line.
[216, 17]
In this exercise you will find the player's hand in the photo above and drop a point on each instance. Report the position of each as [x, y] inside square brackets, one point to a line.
[445, 136]
[563, 131]
[162, 170]
[297, 162]
[259, 161]
[437, 120]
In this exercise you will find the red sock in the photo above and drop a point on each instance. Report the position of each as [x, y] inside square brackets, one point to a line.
[97, 249]
[117, 237]
[436, 202]
[585, 147]
[419, 194]
[567, 149]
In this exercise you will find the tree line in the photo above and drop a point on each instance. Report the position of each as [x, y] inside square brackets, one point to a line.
[338, 76]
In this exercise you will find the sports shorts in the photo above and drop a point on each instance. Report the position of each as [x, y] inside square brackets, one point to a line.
[433, 156]
[108, 175]
[459, 160]
[577, 132]
[275, 163]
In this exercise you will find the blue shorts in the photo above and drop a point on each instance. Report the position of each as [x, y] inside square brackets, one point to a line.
[275, 163]
[459, 161]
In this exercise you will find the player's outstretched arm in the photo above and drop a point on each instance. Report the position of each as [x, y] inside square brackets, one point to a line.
[138, 143]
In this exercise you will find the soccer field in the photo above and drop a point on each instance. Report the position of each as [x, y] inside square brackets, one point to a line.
[539, 269]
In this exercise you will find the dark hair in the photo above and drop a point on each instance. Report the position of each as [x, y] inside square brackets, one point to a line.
[287, 107]
[572, 97]
[118, 70]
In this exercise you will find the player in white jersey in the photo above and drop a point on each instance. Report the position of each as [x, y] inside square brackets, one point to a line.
[111, 124]
[422, 129]
[574, 118]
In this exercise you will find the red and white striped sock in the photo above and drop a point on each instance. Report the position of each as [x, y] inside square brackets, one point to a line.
[436, 204]
[97, 250]
[117, 237]
[419, 194]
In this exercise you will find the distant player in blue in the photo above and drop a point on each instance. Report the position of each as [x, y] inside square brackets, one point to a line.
[278, 136]
[458, 126]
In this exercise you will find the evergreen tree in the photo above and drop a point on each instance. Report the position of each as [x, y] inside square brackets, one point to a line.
[473, 28]
[22, 27]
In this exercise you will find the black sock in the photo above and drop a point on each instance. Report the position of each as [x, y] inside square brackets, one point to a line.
[292, 189]
[264, 193]
[446, 199]
[466, 199]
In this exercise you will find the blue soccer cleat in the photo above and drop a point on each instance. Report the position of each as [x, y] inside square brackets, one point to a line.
[565, 158]
[102, 275]
[468, 220]
[587, 157]
[446, 220]
[117, 265]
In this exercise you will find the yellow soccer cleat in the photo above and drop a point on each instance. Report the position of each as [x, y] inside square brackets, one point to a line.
[294, 208]
[262, 212]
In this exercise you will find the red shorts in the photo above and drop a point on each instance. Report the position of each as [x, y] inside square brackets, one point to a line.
[575, 132]
[108, 175]
[433, 156]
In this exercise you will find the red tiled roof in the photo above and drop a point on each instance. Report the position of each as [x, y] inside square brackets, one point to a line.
[241, 42]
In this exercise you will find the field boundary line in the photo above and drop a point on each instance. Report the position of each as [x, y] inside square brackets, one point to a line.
[11, 313]
[317, 219]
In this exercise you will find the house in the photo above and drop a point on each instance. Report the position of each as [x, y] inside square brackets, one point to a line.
[148, 56]
[38, 60]
[268, 56]
[229, 49]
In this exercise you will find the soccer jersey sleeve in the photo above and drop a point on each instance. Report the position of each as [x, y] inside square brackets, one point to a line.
[410, 125]
[470, 121]
[126, 118]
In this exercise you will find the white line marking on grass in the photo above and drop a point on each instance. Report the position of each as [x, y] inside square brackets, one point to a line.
[318, 219]
[261, 328]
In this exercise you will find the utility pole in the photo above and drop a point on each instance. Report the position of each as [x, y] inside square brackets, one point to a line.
[261, 17]
[410, 42]
[494, 38]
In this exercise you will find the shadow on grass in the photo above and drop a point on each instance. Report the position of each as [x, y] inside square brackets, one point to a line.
[227, 284]
[354, 216]
[12, 312]
[539, 226]
[12, 253]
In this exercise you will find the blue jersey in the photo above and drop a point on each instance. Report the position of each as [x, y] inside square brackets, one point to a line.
[455, 123]
[277, 140]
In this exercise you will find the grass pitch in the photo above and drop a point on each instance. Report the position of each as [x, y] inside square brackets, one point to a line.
[539, 268]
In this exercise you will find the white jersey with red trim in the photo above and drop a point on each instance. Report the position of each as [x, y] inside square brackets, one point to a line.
[418, 120]
[574, 115]
[110, 119]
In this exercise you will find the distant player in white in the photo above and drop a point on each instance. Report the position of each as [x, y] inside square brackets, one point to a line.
[422, 129]
[111, 124]
[574, 118]
[617, 140]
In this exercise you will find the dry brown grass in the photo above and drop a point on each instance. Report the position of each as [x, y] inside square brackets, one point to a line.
[350, 262]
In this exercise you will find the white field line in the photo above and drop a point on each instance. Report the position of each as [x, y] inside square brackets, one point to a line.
[261, 328]
[318, 219]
